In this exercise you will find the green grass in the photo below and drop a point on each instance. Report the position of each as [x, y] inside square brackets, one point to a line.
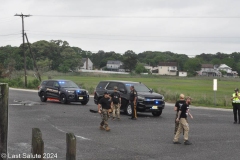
[199, 88]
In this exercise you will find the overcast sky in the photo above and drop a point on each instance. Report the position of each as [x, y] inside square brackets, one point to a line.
[188, 27]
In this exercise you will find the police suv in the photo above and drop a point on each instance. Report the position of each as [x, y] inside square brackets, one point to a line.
[147, 100]
[65, 91]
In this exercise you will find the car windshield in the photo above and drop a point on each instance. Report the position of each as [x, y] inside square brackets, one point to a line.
[139, 87]
[67, 84]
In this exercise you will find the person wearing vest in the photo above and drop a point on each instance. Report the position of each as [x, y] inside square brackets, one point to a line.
[103, 107]
[116, 103]
[178, 104]
[183, 123]
[236, 105]
[133, 102]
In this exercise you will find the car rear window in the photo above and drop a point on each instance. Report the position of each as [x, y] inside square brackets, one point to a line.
[102, 85]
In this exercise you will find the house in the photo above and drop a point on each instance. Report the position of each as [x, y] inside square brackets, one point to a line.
[114, 65]
[215, 70]
[209, 70]
[228, 70]
[167, 68]
[147, 67]
[87, 64]
[182, 74]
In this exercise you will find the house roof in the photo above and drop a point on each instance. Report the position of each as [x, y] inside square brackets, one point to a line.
[222, 66]
[207, 65]
[114, 62]
[167, 63]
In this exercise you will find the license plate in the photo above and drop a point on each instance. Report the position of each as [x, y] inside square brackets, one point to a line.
[154, 107]
[80, 97]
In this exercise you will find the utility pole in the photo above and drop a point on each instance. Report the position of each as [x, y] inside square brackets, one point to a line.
[25, 72]
[34, 59]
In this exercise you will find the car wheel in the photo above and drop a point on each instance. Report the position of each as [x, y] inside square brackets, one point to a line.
[84, 103]
[63, 99]
[157, 113]
[43, 98]
[128, 109]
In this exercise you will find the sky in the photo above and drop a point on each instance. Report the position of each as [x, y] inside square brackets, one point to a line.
[189, 27]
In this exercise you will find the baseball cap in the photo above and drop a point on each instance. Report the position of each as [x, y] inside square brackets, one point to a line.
[105, 92]
[236, 89]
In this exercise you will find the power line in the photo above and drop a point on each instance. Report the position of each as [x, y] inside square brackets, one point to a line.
[10, 34]
[143, 17]
[112, 35]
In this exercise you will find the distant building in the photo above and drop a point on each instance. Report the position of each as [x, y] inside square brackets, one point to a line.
[209, 70]
[87, 64]
[166, 68]
[182, 74]
[215, 70]
[114, 65]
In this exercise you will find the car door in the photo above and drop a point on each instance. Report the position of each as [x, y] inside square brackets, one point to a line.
[52, 89]
[55, 89]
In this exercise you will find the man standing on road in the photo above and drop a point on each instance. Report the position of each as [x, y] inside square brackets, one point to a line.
[178, 104]
[236, 105]
[103, 106]
[133, 102]
[116, 103]
[183, 124]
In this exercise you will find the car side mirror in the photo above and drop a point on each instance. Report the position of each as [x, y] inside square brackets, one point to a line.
[151, 90]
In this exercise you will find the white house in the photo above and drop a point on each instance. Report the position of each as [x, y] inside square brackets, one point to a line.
[114, 65]
[87, 64]
[167, 68]
[182, 74]
[209, 70]
[225, 68]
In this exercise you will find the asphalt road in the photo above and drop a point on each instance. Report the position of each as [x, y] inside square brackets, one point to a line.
[212, 132]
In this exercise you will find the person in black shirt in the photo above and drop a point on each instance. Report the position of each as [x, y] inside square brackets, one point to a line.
[133, 102]
[116, 103]
[178, 104]
[183, 124]
[103, 106]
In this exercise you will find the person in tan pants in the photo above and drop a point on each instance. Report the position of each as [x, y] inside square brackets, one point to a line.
[183, 124]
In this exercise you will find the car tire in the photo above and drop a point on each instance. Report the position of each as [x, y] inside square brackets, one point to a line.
[128, 109]
[43, 98]
[157, 113]
[84, 102]
[63, 99]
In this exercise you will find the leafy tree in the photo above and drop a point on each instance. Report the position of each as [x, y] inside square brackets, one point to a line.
[129, 60]
[140, 68]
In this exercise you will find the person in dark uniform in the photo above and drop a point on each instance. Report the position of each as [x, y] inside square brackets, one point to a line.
[116, 103]
[178, 104]
[183, 123]
[133, 102]
[236, 105]
[103, 108]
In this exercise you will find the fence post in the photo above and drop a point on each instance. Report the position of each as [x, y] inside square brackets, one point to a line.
[71, 146]
[3, 118]
[37, 144]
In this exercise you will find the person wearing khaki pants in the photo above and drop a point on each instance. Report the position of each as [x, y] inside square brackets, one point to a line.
[116, 103]
[183, 124]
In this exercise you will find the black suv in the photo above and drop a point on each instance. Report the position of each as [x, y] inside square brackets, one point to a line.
[148, 101]
[65, 91]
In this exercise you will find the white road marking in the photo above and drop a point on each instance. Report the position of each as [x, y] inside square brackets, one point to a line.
[66, 132]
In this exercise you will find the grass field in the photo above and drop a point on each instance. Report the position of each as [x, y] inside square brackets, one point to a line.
[199, 88]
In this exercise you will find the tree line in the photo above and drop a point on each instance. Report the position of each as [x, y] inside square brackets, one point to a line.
[60, 56]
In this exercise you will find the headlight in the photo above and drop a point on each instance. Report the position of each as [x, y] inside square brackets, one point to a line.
[140, 98]
[163, 98]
